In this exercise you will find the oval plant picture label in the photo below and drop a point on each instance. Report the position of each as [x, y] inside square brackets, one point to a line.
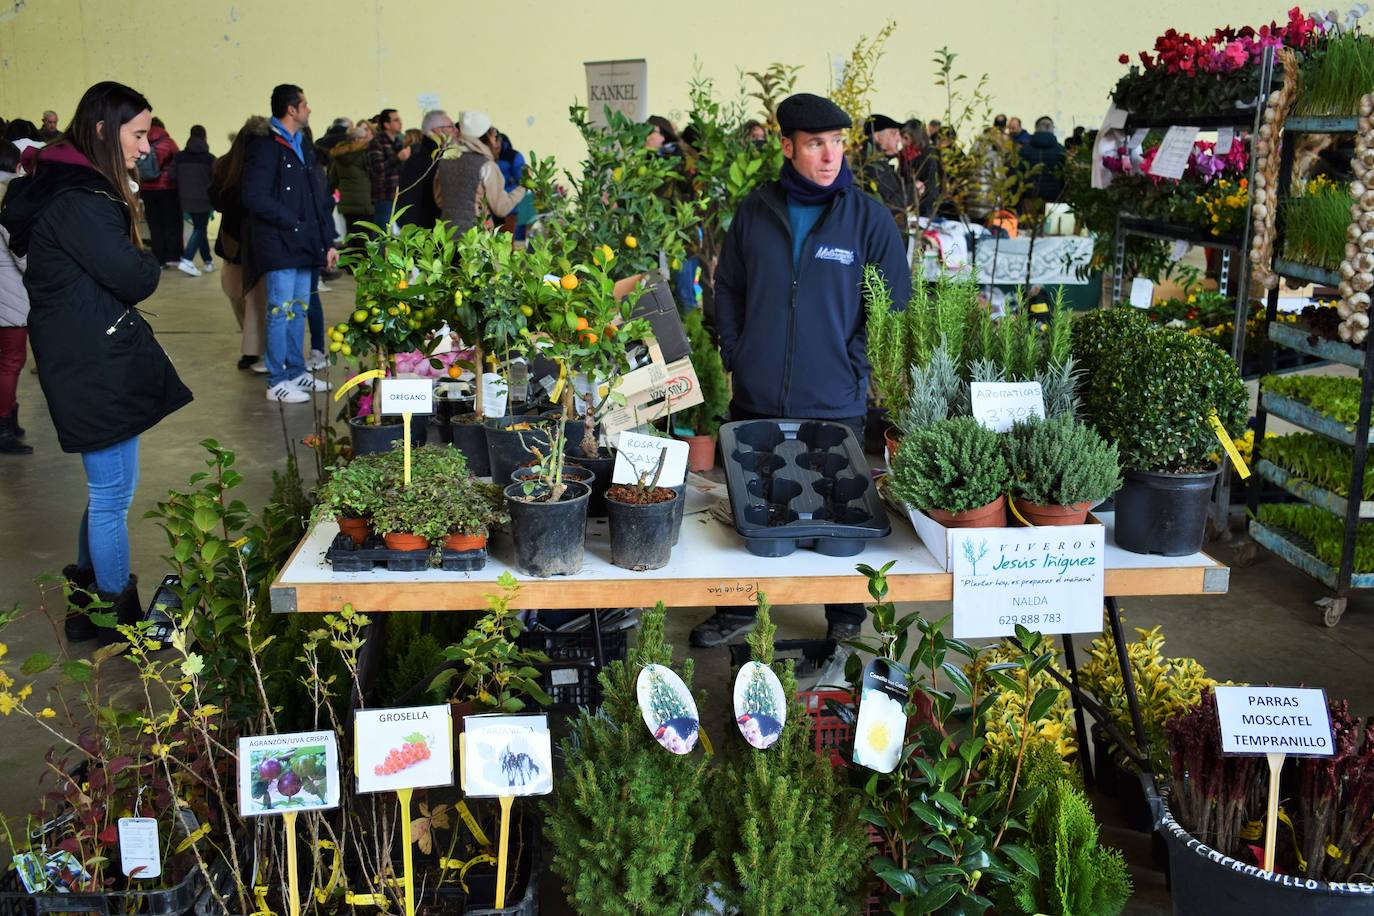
[760, 705]
[668, 708]
[881, 729]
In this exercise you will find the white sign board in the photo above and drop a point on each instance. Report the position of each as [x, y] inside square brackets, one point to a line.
[638, 454]
[138, 847]
[1274, 720]
[1225, 137]
[1172, 156]
[620, 85]
[407, 395]
[997, 405]
[403, 748]
[507, 755]
[1046, 579]
[1142, 293]
[281, 773]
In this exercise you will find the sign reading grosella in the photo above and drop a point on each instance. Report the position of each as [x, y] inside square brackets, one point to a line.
[1045, 579]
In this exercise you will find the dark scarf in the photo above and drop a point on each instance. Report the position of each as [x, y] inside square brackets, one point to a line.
[807, 192]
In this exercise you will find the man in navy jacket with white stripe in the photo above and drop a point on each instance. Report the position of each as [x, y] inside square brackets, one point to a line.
[789, 303]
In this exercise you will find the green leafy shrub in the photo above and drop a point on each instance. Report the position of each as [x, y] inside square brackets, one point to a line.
[1317, 460]
[954, 465]
[350, 490]
[887, 343]
[1337, 396]
[492, 670]
[628, 820]
[788, 835]
[935, 393]
[1314, 223]
[1151, 389]
[1322, 531]
[715, 386]
[1061, 462]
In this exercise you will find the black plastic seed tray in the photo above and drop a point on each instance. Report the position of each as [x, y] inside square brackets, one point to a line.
[344, 556]
[800, 483]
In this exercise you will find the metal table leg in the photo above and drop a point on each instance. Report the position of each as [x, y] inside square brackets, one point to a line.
[1084, 758]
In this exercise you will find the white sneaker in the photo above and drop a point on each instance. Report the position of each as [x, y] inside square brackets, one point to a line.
[188, 268]
[287, 393]
[316, 361]
[307, 382]
[260, 367]
[209, 267]
[324, 289]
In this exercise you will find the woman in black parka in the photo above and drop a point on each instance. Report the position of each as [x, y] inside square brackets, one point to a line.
[105, 377]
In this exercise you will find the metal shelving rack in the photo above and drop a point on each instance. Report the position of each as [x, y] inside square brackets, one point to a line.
[1342, 580]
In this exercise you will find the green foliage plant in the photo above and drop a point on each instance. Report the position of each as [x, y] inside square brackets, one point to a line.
[628, 821]
[949, 831]
[1317, 460]
[489, 668]
[1336, 396]
[1054, 729]
[955, 465]
[1321, 532]
[705, 418]
[887, 342]
[1061, 462]
[936, 392]
[351, 489]
[787, 833]
[1315, 222]
[1336, 73]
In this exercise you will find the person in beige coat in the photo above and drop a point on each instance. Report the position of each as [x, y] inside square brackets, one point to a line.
[468, 184]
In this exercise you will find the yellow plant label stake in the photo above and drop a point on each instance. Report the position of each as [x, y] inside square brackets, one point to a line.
[1225, 439]
[358, 379]
[292, 882]
[501, 850]
[407, 854]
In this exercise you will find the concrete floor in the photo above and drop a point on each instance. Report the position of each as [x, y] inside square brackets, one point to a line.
[1266, 629]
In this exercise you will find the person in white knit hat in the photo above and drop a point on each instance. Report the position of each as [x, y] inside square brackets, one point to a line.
[469, 186]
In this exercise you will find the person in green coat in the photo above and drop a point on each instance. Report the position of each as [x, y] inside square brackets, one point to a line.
[349, 176]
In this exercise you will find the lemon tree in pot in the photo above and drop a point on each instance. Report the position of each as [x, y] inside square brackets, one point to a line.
[1060, 469]
[1151, 390]
[955, 471]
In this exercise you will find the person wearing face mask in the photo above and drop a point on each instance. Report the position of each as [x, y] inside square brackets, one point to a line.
[789, 304]
[104, 375]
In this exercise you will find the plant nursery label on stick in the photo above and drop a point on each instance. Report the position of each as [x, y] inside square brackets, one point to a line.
[760, 705]
[1172, 156]
[669, 711]
[1045, 579]
[408, 748]
[407, 395]
[1266, 720]
[279, 774]
[138, 852]
[1142, 292]
[881, 728]
[506, 756]
[637, 454]
[998, 405]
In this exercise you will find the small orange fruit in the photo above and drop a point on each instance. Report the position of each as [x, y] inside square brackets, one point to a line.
[455, 372]
[582, 324]
[569, 281]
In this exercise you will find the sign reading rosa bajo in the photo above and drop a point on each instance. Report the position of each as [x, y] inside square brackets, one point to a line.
[1274, 720]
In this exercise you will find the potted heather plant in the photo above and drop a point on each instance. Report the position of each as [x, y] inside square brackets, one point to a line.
[1060, 468]
[954, 471]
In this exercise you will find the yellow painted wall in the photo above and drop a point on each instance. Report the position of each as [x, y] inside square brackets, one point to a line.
[521, 61]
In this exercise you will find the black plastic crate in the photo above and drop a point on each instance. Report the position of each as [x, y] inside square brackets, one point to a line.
[169, 901]
[345, 556]
[570, 676]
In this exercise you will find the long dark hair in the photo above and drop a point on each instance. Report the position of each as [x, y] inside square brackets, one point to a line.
[115, 105]
[228, 169]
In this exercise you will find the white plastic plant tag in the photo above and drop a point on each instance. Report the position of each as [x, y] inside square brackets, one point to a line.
[138, 848]
[638, 454]
[1142, 293]
[1181, 249]
[294, 772]
[760, 705]
[1225, 137]
[669, 711]
[407, 395]
[507, 755]
[999, 405]
[1172, 156]
[880, 731]
[494, 391]
[406, 748]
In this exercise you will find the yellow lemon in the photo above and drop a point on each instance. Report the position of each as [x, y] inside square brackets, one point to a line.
[393, 311]
[335, 347]
[527, 311]
[457, 297]
[360, 316]
[375, 328]
[616, 173]
[346, 350]
[631, 242]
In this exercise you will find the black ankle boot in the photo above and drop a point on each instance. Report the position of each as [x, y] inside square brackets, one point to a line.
[14, 422]
[127, 608]
[80, 592]
[10, 444]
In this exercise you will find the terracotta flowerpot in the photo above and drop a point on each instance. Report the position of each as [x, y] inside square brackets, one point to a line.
[993, 515]
[701, 452]
[1037, 514]
[356, 528]
[893, 438]
[465, 541]
[398, 541]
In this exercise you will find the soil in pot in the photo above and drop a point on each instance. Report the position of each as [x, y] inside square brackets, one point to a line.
[548, 536]
[1162, 513]
[356, 528]
[1037, 514]
[370, 438]
[469, 436]
[993, 515]
[641, 525]
[601, 467]
[701, 452]
[465, 541]
[509, 440]
[397, 540]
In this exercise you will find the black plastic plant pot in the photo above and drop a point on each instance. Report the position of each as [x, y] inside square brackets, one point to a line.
[445, 409]
[601, 466]
[1204, 882]
[370, 438]
[469, 436]
[508, 449]
[642, 535]
[1163, 513]
[573, 429]
[678, 505]
[548, 536]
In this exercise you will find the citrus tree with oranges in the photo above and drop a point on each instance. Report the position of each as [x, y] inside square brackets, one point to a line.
[491, 314]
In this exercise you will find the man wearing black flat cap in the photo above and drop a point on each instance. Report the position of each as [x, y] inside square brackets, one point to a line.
[789, 306]
[879, 177]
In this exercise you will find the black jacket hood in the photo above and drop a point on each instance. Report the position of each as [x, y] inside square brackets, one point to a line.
[28, 195]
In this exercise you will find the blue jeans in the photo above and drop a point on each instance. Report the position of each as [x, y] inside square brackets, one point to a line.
[381, 212]
[315, 315]
[103, 544]
[685, 284]
[288, 291]
[200, 238]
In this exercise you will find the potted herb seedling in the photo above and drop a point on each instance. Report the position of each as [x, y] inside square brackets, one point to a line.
[548, 513]
[641, 519]
[954, 471]
[1153, 392]
[411, 516]
[349, 495]
[472, 508]
[705, 418]
[1060, 468]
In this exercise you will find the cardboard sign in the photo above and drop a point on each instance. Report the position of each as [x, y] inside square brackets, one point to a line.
[652, 391]
[637, 453]
[403, 748]
[507, 756]
[138, 847]
[1269, 720]
[881, 728]
[1046, 579]
[1142, 293]
[407, 395]
[998, 405]
[280, 774]
[1172, 156]
[620, 85]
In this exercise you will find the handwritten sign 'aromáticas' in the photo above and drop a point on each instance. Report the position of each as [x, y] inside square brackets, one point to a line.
[1267, 720]
[1045, 579]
